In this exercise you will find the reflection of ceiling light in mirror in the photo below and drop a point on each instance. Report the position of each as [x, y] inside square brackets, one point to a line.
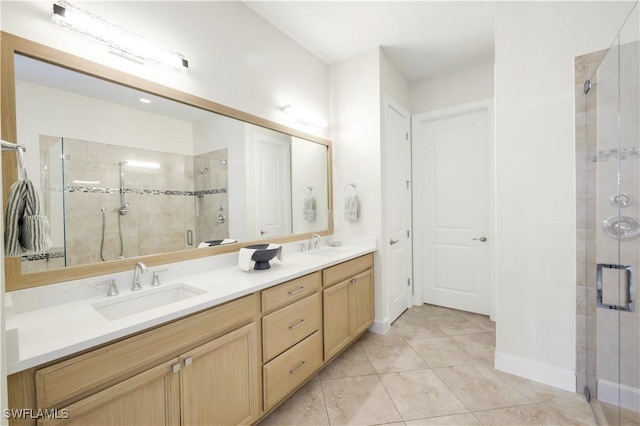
[145, 100]
[119, 39]
[142, 164]
[305, 117]
[86, 182]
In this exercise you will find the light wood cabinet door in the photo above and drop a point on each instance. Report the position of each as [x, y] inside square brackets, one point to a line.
[221, 380]
[360, 303]
[336, 318]
[150, 398]
[348, 312]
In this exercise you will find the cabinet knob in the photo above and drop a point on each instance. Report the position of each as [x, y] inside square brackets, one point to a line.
[175, 368]
[353, 280]
[188, 362]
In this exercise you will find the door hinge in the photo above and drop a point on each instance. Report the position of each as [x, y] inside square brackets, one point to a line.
[409, 282]
[408, 233]
[407, 136]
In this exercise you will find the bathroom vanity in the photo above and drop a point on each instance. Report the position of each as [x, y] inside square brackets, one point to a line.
[231, 362]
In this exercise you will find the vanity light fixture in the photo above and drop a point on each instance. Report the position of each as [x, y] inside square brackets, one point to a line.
[142, 164]
[305, 117]
[120, 40]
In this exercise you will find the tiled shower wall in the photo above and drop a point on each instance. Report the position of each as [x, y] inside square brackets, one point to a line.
[162, 202]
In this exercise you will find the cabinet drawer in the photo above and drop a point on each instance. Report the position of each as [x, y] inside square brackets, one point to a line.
[289, 325]
[290, 291]
[347, 270]
[79, 376]
[286, 372]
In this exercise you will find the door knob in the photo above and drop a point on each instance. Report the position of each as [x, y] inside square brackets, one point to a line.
[481, 239]
[392, 242]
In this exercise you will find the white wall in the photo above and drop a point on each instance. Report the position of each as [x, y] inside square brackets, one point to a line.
[236, 58]
[472, 83]
[393, 84]
[535, 179]
[355, 131]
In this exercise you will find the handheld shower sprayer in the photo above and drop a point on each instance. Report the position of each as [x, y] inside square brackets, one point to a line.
[124, 207]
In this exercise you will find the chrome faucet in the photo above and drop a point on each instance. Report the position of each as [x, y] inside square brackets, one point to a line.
[314, 242]
[140, 268]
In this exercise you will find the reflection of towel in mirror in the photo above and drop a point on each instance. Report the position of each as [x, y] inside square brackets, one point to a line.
[351, 208]
[309, 212]
[26, 228]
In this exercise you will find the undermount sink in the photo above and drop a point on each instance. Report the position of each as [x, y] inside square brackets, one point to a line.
[146, 300]
[327, 251]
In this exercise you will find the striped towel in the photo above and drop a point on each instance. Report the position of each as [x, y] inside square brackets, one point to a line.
[26, 228]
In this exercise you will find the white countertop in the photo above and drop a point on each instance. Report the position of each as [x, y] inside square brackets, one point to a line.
[48, 333]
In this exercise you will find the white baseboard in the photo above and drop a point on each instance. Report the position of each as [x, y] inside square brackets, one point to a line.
[380, 327]
[627, 397]
[537, 371]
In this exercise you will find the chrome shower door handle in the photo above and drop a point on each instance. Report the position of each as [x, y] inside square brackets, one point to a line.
[481, 239]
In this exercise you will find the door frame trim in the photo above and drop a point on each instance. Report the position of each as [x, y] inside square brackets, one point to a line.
[487, 105]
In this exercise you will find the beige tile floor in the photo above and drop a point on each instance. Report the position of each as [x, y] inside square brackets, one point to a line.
[434, 367]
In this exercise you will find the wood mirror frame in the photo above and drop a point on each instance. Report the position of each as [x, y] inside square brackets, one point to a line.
[12, 45]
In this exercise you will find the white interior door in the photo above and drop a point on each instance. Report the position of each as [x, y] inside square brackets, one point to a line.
[273, 186]
[451, 207]
[397, 180]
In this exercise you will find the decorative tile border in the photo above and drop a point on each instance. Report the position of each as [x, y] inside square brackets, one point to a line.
[630, 153]
[41, 256]
[92, 190]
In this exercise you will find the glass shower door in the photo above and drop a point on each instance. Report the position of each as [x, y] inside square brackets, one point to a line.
[613, 246]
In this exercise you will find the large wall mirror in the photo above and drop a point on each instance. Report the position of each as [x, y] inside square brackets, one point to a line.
[131, 170]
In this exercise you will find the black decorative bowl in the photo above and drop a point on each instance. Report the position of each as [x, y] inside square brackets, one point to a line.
[263, 255]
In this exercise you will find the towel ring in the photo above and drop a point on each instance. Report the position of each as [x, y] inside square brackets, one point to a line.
[352, 185]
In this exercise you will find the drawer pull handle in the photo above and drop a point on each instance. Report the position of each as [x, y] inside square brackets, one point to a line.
[295, 370]
[296, 291]
[296, 325]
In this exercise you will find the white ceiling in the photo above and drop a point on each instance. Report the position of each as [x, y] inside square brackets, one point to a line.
[422, 38]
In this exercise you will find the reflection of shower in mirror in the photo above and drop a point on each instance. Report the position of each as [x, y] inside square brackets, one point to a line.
[104, 226]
